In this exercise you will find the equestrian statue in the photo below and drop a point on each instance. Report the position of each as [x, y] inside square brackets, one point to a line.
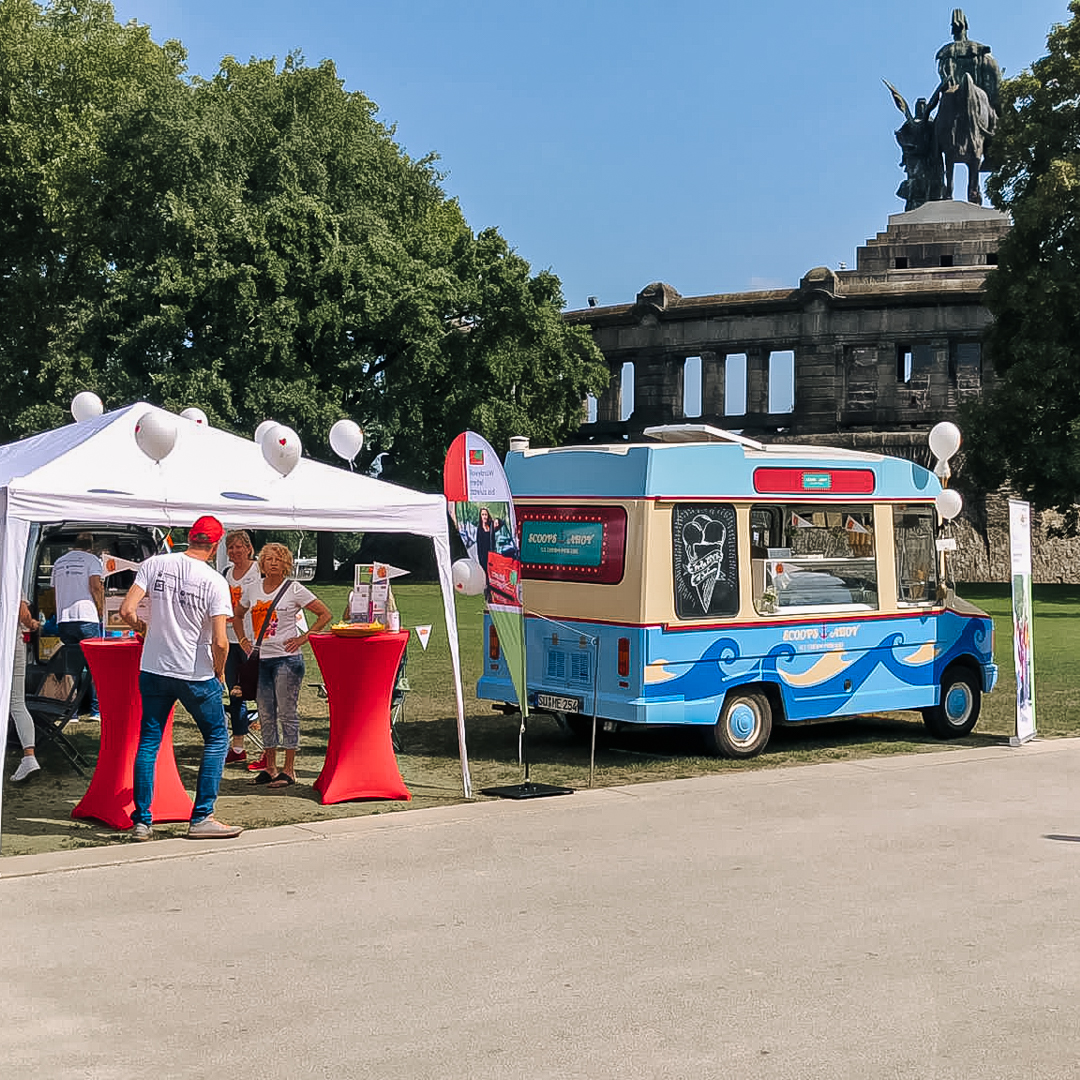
[966, 100]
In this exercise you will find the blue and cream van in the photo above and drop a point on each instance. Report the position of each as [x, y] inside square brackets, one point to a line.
[708, 579]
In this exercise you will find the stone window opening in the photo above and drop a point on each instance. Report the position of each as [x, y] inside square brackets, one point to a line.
[903, 364]
[901, 262]
[735, 385]
[691, 403]
[626, 391]
[781, 382]
[965, 365]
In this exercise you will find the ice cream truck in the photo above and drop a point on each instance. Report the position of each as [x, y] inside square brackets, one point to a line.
[705, 578]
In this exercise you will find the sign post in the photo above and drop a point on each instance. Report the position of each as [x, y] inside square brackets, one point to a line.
[1023, 642]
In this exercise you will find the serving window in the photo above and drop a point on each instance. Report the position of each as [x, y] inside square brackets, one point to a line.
[916, 554]
[573, 543]
[810, 557]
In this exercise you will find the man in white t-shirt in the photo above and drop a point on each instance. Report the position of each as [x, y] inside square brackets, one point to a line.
[183, 659]
[79, 591]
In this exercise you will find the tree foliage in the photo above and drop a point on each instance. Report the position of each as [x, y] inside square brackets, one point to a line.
[1027, 432]
[255, 244]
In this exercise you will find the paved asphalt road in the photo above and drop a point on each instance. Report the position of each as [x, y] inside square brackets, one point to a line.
[911, 917]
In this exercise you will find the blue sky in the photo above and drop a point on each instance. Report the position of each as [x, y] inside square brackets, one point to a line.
[715, 146]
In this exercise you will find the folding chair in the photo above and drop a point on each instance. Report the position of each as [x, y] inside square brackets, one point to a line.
[65, 680]
[254, 733]
[397, 702]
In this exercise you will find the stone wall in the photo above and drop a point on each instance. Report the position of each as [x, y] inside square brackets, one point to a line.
[982, 540]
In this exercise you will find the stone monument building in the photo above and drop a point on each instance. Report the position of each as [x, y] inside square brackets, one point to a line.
[891, 345]
[879, 355]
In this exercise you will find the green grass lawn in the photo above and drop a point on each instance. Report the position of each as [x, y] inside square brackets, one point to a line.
[1057, 658]
[37, 814]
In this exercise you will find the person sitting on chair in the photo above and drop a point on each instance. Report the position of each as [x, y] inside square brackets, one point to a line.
[77, 581]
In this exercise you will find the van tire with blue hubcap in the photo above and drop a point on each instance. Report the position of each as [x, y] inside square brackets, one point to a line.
[960, 701]
[744, 726]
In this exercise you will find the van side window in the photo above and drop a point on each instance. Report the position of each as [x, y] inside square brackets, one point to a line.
[813, 557]
[916, 554]
[705, 564]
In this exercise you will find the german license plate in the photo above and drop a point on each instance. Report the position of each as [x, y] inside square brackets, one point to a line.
[557, 703]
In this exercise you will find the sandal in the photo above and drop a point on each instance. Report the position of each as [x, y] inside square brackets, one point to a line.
[266, 778]
[283, 779]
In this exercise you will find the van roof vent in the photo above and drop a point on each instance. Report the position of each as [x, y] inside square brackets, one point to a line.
[684, 433]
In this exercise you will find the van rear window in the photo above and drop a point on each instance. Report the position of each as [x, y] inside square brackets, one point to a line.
[573, 543]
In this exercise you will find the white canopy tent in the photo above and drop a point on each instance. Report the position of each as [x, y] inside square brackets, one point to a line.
[93, 471]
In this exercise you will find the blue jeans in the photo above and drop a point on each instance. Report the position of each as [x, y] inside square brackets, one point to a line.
[203, 700]
[280, 679]
[71, 633]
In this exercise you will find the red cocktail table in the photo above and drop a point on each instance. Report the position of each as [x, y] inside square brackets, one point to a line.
[359, 674]
[114, 664]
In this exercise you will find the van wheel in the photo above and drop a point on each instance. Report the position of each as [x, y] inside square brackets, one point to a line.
[744, 726]
[958, 710]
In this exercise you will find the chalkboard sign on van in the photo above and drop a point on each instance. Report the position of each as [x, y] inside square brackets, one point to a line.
[705, 564]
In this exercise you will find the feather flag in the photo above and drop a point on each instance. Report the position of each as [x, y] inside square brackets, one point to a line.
[482, 507]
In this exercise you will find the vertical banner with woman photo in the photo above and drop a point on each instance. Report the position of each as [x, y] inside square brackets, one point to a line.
[478, 494]
[1023, 644]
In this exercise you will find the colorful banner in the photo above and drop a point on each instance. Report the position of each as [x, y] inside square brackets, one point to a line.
[482, 507]
[1023, 642]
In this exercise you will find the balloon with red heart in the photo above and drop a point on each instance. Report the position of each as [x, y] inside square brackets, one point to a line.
[155, 433]
[468, 577]
[281, 447]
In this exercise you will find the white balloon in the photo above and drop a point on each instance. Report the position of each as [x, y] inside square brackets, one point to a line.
[196, 414]
[155, 432]
[468, 577]
[85, 405]
[944, 440]
[949, 503]
[281, 447]
[262, 429]
[346, 439]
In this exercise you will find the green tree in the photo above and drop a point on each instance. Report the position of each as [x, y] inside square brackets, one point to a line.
[1027, 432]
[69, 74]
[257, 244]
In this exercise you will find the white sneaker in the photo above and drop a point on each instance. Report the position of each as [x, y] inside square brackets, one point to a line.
[141, 831]
[209, 829]
[27, 767]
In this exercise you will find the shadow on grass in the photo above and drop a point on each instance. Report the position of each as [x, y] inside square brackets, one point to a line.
[495, 738]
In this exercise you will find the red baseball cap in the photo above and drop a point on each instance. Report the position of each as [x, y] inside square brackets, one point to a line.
[207, 530]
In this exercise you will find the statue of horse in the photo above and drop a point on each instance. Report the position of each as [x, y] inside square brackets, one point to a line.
[964, 122]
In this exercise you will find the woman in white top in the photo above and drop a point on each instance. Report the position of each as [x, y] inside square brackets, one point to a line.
[242, 571]
[281, 663]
